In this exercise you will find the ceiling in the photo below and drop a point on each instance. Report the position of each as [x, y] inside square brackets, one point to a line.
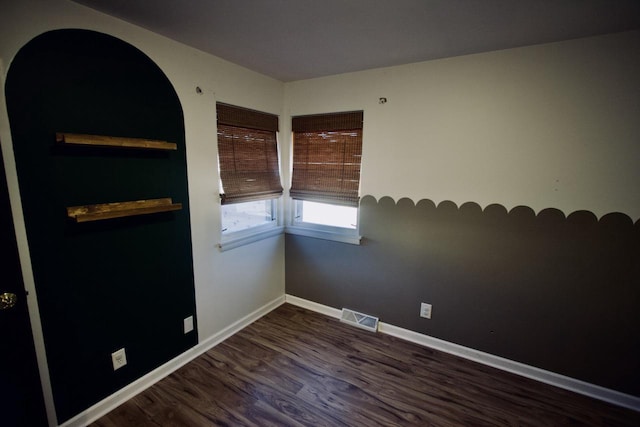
[300, 39]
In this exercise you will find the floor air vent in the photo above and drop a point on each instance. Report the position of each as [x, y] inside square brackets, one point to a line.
[360, 320]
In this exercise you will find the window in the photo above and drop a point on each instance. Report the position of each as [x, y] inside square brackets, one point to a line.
[242, 216]
[327, 151]
[325, 214]
[249, 174]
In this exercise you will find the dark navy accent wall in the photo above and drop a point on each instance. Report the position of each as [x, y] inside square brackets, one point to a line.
[559, 293]
[103, 285]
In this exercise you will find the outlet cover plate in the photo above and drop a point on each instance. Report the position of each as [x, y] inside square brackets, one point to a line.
[188, 324]
[425, 310]
[119, 359]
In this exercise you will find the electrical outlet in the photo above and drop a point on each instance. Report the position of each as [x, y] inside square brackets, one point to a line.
[188, 324]
[119, 359]
[425, 310]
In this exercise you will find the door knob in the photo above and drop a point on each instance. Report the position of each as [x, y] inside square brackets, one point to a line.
[7, 300]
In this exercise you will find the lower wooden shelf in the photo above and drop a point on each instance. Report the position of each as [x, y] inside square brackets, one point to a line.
[103, 211]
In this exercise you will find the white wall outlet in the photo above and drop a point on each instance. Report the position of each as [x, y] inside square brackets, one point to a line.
[188, 324]
[119, 359]
[425, 310]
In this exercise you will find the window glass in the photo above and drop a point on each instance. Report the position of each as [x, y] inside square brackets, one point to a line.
[326, 214]
[242, 216]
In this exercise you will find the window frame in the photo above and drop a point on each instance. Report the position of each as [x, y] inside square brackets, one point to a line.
[321, 231]
[272, 214]
[234, 239]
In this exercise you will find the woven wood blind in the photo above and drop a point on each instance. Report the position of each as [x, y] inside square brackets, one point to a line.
[246, 118]
[327, 150]
[248, 155]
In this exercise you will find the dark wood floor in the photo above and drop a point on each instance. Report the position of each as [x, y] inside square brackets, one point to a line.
[294, 367]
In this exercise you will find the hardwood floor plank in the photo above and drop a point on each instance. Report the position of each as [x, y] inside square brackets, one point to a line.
[294, 367]
[349, 396]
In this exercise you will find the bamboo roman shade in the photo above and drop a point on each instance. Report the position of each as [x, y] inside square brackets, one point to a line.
[248, 154]
[327, 149]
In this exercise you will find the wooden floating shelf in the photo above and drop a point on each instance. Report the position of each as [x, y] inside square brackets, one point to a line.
[87, 213]
[113, 141]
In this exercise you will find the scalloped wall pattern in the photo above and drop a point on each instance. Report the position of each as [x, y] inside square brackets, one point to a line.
[611, 219]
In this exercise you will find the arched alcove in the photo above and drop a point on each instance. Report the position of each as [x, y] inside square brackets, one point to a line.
[114, 283]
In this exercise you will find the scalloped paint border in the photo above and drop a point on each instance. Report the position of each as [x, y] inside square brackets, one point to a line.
[611, 219]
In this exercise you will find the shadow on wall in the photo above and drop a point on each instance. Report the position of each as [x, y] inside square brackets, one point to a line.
[559, 293]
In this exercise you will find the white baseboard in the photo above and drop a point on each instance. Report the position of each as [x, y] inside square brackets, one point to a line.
[118, 398]
[108, 404]
[547, 377]
[313, 306]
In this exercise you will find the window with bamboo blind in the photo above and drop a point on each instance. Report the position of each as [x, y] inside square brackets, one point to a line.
[247, 154]
[327, 151]
[249, 174]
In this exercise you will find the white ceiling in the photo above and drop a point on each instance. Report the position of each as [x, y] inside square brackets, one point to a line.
[299, 39]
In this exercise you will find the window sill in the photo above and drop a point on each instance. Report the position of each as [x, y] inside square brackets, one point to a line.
[246, 237]
[347, 236]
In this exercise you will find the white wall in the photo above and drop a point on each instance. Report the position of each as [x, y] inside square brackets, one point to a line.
[554, 125]
[228, 285]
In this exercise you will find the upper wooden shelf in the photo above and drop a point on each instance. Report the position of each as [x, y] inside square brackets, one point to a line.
[87, 213]
[113, 141]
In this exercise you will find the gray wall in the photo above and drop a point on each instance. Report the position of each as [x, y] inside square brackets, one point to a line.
[559, 293]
